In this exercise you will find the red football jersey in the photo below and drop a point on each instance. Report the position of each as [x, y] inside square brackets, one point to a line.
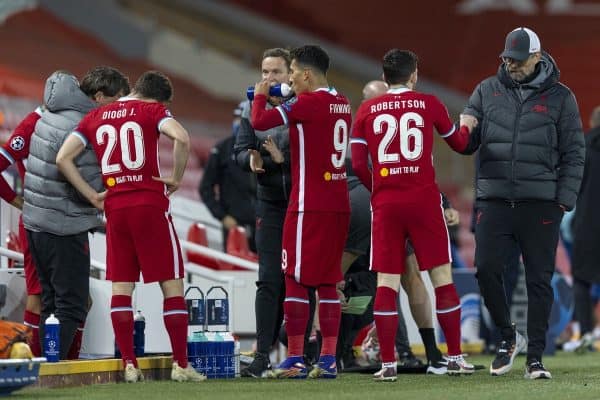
[398, 130]
[125, 136]
[16, 150]
[319, 124]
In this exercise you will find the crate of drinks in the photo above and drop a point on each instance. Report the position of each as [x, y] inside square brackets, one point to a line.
[214, 354]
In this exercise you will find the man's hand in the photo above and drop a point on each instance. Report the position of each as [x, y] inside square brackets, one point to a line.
[172, 184]
[98, 200]
[469, 121]
[256, 162]
[339, 287]
[271, 147]
[262, 87]
[275, 101]
[17, 202]
[452, 216]
[229, 222]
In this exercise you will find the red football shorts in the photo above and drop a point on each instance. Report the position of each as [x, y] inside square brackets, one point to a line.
[313, 243]
[142, 238]
[423, 222]
[32, 282]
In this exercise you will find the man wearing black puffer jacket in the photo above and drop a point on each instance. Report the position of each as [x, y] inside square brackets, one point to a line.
[531, 150]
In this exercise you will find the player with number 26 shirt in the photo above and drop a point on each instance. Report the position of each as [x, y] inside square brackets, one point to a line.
[397, 131]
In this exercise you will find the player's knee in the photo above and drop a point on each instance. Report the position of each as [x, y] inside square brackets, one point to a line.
[391, 281]
[441, 275]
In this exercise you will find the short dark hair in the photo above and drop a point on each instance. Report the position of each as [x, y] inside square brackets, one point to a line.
[311, 55]
[154, 85]
[279, 52]
[108, 80]
[398, 65]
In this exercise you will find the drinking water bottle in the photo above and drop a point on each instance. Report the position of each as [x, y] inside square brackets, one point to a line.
[52, 339]
[279, 90]
[139, 338]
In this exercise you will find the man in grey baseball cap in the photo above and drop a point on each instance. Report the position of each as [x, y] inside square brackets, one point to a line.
[526, 117]
[520, 44]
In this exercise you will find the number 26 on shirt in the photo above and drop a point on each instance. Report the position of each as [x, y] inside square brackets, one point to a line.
[130, 134]
[385, 154]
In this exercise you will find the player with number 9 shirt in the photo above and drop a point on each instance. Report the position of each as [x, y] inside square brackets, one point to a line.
[396, 130]
[318, 214]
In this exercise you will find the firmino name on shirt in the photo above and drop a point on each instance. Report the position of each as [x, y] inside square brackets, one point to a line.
[397, 104]
[339, 109]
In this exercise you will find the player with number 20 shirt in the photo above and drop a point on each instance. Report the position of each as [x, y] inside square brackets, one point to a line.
[125, 137]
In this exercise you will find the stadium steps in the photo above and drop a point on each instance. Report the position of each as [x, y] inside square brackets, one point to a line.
[88, 372]
[229, 39]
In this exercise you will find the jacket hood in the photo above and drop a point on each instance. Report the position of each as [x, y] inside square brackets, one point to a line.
[62, 93]
[547, 74]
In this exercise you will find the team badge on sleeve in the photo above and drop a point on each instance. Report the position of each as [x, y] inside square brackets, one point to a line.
[17, 143]
[287, 106]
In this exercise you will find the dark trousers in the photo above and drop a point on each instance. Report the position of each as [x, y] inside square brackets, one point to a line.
[63, 267]
[533, 227]
[584, 307]
[270, 287]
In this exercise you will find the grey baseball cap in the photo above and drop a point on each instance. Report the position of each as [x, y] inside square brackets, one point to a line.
[520, 44]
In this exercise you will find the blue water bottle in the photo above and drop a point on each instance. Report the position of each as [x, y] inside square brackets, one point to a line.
[139, 338]
[220, 356]
[279, 90]
[52, 339]
[229, 355]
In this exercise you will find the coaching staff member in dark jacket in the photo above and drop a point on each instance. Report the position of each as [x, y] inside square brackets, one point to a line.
[586, 231]
[531, 151]
[272, 192]
[229, 192]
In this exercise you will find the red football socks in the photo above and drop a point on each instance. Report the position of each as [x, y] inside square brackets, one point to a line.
[121, 315]
[386, 321]
[32, 320]
[329, 318]
[296, 309]
[447, 306]
[176, 321]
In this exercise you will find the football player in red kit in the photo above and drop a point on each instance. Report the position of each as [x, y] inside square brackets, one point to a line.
[317, 218]
[140, 234]
[14, 151]
[396, 130]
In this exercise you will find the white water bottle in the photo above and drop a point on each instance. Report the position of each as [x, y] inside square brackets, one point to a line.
[52, 339]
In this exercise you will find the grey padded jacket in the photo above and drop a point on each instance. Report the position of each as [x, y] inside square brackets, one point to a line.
[52, 205]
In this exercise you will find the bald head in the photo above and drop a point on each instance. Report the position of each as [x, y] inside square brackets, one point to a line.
[595, 118]
[374, 89]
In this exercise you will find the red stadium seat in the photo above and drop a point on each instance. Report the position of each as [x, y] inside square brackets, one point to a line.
[197, 234]
[237, 244]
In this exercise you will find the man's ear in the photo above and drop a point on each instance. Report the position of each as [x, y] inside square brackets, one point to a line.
[98, 96]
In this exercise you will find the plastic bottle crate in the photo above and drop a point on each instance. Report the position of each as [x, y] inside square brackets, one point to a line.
[17, 373]
[213, 357]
